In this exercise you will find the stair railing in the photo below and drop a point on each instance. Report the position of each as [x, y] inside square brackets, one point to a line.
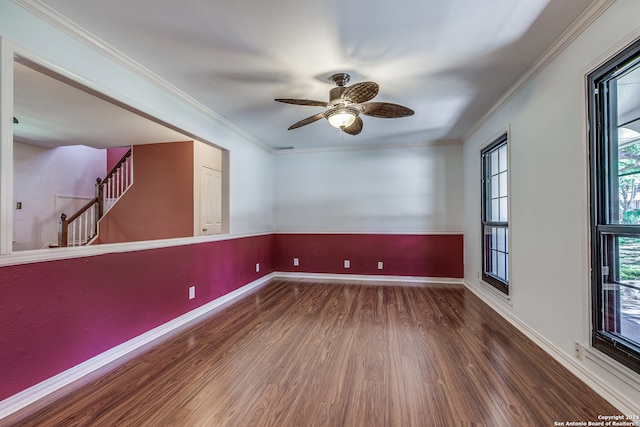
[82, 227]
[113, 186]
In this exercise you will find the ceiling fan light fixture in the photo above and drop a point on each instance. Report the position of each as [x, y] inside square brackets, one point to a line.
[342, 117]
[346, 103]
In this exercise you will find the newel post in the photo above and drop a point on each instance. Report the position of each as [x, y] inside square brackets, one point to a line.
[63, 231]
[99, 194]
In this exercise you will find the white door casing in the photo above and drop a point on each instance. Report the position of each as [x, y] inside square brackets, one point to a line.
[210, 201]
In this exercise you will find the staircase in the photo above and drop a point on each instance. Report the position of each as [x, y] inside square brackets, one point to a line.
[81, 228]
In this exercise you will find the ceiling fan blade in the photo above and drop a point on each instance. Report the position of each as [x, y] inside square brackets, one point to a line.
[303, 102]
[360, 92]
[386, 110]
[355, 128]
[307, 121]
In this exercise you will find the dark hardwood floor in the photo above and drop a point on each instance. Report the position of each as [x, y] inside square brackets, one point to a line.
[301, 353]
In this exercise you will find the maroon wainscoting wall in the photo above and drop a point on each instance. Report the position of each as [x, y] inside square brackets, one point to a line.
[401, 255]
[57, 314]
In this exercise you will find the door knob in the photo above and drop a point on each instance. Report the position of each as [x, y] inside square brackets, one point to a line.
[204, 229]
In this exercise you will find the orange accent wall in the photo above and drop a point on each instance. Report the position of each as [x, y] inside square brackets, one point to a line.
[159, 204]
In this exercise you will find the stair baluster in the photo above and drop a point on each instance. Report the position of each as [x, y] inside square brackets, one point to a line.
[82, 227]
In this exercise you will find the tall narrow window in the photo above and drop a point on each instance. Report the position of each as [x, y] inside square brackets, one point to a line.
[614, 111]
[495, 214]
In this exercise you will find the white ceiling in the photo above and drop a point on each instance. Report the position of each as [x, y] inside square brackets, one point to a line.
[449, 60]
[52, 113]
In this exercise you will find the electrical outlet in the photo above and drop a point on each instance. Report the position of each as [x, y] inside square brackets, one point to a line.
[347, 263]
[192, 292]
[380, 265]
[578, 350]
[257, 267]
[296, 262]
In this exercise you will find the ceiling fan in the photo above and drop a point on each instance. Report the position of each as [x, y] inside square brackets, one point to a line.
[346, 103]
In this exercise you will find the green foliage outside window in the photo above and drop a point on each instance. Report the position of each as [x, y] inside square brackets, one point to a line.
[629, 258]
[629, 183]
[631, 217]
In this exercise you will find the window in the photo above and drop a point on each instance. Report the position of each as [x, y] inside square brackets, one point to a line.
[495, 214]
[614, 115]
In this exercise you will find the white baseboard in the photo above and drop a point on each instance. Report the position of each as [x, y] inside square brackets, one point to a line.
[39, 391]
[624, 405]
[368, 278]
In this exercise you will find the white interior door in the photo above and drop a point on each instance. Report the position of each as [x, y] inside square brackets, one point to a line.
[210, 201]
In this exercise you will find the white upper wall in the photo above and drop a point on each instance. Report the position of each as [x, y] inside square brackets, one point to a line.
[251, 166]
[49, 182]
[549, 210]
[388, 190]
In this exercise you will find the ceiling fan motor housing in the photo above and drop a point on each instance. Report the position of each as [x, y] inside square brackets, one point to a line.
[335, 95]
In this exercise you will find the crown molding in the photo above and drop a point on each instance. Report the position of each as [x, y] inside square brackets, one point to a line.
[593, 12]
[50, 15]
[45, 12]
[388, 146]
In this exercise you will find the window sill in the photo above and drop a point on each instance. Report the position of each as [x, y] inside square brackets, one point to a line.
[505, 297]
[494, 291]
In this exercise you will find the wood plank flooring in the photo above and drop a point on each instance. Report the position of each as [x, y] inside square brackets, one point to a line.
[301, 353]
